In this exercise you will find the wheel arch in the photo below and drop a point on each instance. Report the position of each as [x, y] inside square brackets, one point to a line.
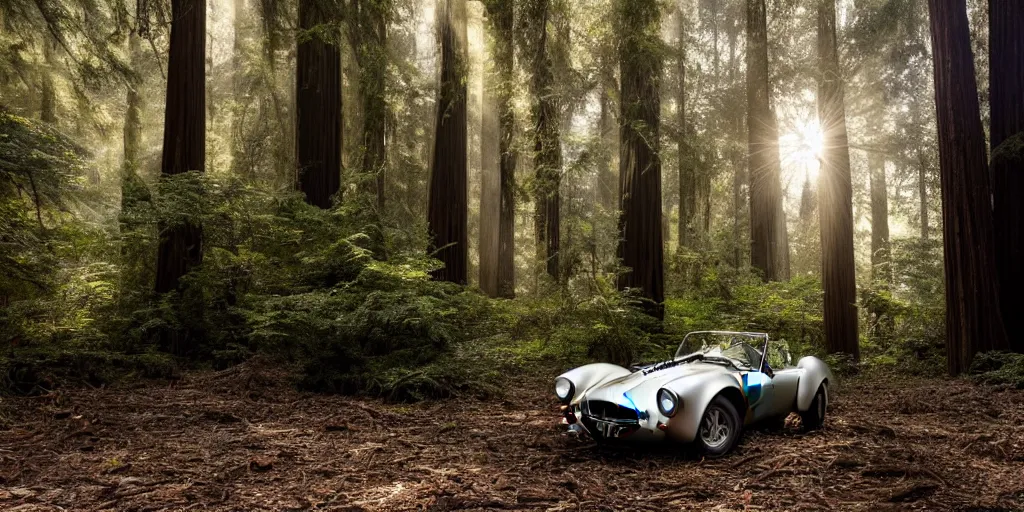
[586, 377]
[696, 395]
[815, 373]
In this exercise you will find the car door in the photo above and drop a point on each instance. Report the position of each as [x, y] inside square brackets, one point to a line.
[759, 389]
[785, 383]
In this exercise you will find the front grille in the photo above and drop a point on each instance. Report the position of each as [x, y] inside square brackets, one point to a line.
[609, 411]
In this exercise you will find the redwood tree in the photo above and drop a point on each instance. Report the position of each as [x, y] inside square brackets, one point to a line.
[369, 32]
[973, 320]
[446, 211]
[501, 13]
[687, 173]
[1006, 58]
[318, 105]
[835, 193]
[641, 244]
[547, 147]
[769, 242]
[181, 244]
[881, 272]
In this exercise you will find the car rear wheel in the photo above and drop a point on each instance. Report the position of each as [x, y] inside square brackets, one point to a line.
[814, 417]
[720, 428]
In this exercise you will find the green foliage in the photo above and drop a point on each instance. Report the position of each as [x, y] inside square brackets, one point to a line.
[40, 370]
[905, 321]
[730, 299]
[998, 368]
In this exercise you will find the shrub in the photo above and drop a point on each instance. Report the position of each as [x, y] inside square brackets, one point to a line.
[998, 368]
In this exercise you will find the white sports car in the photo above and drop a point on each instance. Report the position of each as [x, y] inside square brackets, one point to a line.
[705, 397]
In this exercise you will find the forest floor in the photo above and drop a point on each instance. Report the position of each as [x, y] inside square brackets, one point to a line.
[238, 440]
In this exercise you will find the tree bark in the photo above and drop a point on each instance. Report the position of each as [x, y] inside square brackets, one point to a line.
[133, 189]
[547, 149]
[973, 319]
[1006, 47]
[503, 18]
[835, 192]
[687, 174]
[184, 149]
[446, 211]
[490, 174]
[769, 247]
[737, 157]
[607, 184]
[922, 186]
[318, 105]
[239, 164]
[641, 245]
[48, 92]
[880, 251]
[370, 34]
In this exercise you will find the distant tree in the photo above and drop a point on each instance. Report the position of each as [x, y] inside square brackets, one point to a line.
[447, 214]
[48, 91]
[607, 184]
[769, 248]
[133, 189]
[688, 216]
[736, 152]
[184, 149]
[835, 192]
[318, 104]
[1006, 81]
[497, 206]
[973, 319]
[547, 147]
[880, 249]
[368, 31]
[641, 245]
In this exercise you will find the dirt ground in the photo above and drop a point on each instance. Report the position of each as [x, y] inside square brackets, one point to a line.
[236, 441]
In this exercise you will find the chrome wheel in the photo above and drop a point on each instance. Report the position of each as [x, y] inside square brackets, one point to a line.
[714, 429]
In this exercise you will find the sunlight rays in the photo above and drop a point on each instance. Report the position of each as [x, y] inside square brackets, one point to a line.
[801, 150]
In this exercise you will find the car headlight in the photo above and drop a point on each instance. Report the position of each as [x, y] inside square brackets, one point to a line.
[668, 402]
[564, 389]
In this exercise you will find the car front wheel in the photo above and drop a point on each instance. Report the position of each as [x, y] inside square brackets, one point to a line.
[814, 417]
[720, 428]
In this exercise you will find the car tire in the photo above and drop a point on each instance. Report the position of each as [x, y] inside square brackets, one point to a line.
[814, 417]
[720, 428]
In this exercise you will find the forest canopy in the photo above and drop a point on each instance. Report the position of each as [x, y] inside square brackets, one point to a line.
[408, 198]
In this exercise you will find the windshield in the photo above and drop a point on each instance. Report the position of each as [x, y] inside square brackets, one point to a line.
[743, 350]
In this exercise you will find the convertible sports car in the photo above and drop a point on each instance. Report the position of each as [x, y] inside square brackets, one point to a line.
[705, 397]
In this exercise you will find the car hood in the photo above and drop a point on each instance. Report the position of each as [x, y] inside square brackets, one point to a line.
[637, 390]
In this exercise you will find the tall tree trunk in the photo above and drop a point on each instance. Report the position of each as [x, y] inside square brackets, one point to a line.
[835, 192]
[880, 255]
[447, 215]
[922, 189]
[973, 319]
[181, 245]
[1007, 109]
[687, 174]
[547, 148]
[769, 247]
[502, 14]
[641, 245]
[133, 189]
[318, 105]
[370, 38]
[737, 158]
[490, 175]
[607, 184]
[48, 102]
[239, 164]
